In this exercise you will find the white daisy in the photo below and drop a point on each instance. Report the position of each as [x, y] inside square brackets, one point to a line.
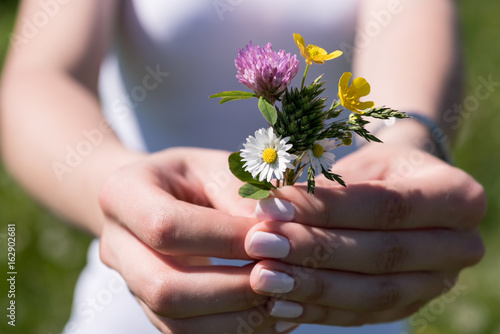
[266, 154]
[319, 157]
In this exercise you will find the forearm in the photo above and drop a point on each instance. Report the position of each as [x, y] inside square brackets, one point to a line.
[413, 63]
[49, 105]
[46, 115]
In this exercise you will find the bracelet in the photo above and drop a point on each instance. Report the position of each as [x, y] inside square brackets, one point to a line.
[437, 134]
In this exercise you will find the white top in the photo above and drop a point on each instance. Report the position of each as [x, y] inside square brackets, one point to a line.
[167, 58]
[196, 42]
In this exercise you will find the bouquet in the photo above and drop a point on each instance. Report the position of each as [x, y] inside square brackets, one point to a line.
[302, 129]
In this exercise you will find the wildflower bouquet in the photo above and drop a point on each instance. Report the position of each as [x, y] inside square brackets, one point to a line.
[302, 130]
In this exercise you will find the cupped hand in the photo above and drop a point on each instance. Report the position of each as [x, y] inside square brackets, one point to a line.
[376, 251]
[161, 225]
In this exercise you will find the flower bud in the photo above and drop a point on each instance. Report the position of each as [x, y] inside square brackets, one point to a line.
[347, 140]
[353, 117]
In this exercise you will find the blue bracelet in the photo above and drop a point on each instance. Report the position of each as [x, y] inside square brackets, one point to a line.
[437, 134]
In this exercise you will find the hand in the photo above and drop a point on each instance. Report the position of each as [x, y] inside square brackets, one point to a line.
[161, 226]
[376, 251]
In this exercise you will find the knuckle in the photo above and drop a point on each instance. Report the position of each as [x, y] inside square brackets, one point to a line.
[392, 211]
[107, 191]
[391, 255]
[385, 296]
[321, 254]
[160, 231]
[325, 245]
[477, 203]
[474, 251]
[480, 201]
[315, 291]
[325, 217]
[467, 200]
[161, 298]
[321, 315]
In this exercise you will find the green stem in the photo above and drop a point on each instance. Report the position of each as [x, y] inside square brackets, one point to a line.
[304, 78]
[293, 175]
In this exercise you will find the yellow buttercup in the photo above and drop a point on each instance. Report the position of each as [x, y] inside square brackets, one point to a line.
[313, 53]
[350, 95]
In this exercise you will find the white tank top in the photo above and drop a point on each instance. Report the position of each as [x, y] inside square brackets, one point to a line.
[166, 59]
[196, 42]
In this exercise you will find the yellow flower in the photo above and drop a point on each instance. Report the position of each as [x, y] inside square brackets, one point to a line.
[313, 53]
[350, 95]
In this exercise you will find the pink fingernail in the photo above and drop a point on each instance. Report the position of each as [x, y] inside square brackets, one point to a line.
[286, 309]
[283, 326]
[263, 244]
[275, 282]
[274, 209]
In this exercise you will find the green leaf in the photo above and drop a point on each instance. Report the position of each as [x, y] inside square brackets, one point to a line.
[366, 135]
[233, 95]
[268, 111]
[253, 191]
[335, 110]
[227, 99]
[384, 113]
[334, 177]
[236, 167]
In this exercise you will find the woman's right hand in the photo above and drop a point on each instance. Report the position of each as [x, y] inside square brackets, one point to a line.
[160, 228]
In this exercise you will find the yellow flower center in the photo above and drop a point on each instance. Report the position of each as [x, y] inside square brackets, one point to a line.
[318, 150]
[269, 155]
[314, 52]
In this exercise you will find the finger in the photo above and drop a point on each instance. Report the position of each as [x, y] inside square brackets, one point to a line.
[443, 197]
[256, 320]
[317, 314]
[282, 327]
[140, 200]
[170, 289]
[345, 290]
[372, 252]
[219, 187]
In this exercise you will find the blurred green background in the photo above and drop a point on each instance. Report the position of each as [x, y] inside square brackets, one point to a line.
[50, 254]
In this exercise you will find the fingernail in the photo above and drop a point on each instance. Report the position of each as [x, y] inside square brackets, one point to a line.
[263, 244]
[283, 326]
[274, 209]
[286, 309]
[274, 282]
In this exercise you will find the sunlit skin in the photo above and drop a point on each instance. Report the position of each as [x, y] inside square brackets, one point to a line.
[133, 202]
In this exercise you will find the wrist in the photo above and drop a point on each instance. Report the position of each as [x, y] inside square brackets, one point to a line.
[417, 132]
[91, 176]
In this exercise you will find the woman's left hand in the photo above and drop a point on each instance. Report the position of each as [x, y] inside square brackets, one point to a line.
[373, 252]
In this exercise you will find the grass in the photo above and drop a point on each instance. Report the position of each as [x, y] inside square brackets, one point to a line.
[476, 310]
[50, 254]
